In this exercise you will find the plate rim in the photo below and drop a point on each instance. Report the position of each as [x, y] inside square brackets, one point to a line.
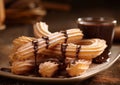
[78, 78]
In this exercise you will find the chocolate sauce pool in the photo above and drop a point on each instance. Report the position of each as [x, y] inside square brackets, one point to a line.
[5, 69]
[102, 28]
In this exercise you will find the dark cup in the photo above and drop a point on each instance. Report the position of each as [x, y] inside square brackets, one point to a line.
[98, 27]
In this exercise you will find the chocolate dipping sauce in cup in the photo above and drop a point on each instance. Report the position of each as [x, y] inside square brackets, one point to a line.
[98, 27]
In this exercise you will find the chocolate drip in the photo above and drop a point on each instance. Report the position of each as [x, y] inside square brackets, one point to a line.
[63, 49]
[35, 44]
[46, 38]
[77, 51]
[76, 56]
[102, 58]
[66, 36]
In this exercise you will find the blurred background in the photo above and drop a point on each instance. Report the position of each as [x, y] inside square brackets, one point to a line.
[18, 16]
[28, 10]
[58, 14]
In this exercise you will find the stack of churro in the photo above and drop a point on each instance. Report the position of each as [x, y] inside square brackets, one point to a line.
[63, 53]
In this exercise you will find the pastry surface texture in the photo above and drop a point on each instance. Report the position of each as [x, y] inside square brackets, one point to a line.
[63, 53]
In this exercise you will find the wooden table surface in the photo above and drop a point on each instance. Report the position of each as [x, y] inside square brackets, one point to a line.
[111, 76]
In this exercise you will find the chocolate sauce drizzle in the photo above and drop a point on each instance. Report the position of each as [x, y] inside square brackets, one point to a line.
[78, 47]
[77, 51]
[35, 44]
[63, 49]
[46, 38]
[66, 35]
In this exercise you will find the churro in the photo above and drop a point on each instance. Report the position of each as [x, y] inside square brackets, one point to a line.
[49, 53]
[27, 50]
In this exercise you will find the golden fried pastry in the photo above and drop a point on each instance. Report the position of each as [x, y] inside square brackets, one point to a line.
[41, 29]
[89, 48]
[18, 42]
[48, 68]
[25, 66]
[22, 67]
[27, 50]
[71, 53]
[78, 67]
[85, 49]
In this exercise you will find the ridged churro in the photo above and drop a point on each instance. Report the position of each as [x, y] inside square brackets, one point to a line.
[22, 67]
[78, 67]
[27, 50]
[50, 53]
[90, 48]
[48, 68]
